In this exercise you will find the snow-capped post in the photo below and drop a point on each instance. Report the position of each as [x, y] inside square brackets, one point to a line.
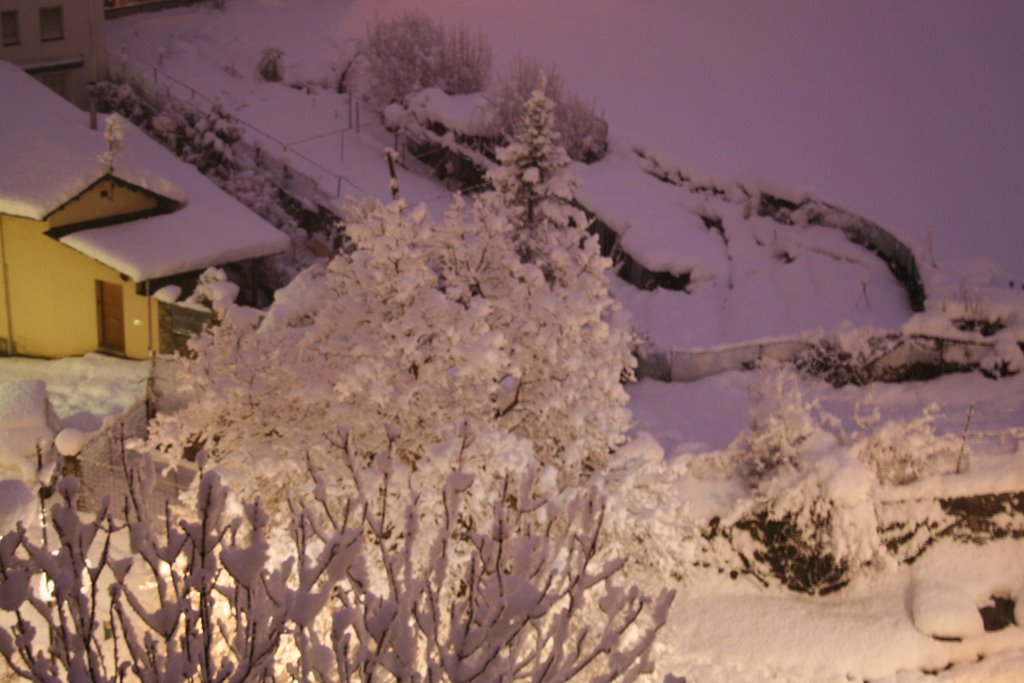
[91, 89]
[392, 156]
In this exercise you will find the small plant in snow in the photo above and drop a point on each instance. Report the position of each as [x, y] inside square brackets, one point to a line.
[269, 67]
[901, 452]
[113, 136]
[781, 422]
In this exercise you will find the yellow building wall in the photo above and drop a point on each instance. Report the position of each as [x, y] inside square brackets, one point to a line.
[51, 290]
[103, 200]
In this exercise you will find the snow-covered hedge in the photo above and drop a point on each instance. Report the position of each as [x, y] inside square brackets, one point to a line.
[412, 51]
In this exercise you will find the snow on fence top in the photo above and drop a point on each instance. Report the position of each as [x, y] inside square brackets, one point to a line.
[51, 155]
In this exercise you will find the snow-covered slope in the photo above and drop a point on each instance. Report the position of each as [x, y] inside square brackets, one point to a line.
[906, 112]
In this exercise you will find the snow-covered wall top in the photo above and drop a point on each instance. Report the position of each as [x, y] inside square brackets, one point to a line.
[466, 114]
[50, 155]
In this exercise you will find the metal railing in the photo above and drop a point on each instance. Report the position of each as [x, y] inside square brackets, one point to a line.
[294, 171]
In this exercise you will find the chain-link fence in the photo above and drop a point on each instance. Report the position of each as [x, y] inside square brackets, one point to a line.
[105, 462]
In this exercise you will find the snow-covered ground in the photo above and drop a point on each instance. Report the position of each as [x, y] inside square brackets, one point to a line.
[83, 390]
[906, 113]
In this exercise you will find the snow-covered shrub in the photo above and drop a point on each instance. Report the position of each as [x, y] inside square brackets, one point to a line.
[412, 51]
[583, 131]
[269, 67]
[851, 357]
[809, 517]
[122, 99]
[812, 529]
[904, 451]
[781, 423]
[205, 138]
[1006, 357]
[202, 600]
[433, 339]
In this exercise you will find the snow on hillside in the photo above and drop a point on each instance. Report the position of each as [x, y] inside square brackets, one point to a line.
[907, 112]
[904, 113]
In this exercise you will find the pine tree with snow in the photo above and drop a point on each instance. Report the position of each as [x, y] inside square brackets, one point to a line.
[533, 178]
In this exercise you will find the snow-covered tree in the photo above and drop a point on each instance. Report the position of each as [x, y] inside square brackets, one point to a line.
[431, 340]
[205, 138]
[200, 599]
[584, 132]
[412, 51]
[533, 179]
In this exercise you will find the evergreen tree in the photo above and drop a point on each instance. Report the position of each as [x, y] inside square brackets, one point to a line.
[533, 178]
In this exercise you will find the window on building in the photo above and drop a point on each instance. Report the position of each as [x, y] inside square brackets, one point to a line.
[51, 23]
[9, 34]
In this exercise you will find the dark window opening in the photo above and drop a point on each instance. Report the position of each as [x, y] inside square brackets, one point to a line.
[9, 33]
[51, 23]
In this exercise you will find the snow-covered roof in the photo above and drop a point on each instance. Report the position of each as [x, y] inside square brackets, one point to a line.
[50, 155]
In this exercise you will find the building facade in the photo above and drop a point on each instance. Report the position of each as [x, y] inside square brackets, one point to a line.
[59, 42]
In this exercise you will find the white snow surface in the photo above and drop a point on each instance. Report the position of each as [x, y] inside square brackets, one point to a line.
[907, 112]
[466, 114]
[51, 156]
[17, 503]
[83, 390]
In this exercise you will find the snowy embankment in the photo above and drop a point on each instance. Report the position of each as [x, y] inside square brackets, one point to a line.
[742, 94]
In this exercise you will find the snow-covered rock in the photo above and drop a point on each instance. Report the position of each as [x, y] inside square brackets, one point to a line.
[943, 610]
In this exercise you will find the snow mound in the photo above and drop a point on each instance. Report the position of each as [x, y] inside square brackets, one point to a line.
[70, 441]
[17, 504]
[942, 610]
[23, 404]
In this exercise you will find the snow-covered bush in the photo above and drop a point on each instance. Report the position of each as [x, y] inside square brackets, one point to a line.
[809, 516]
[583, 131]
[201, 599]
[412, 51]
[432, 339]
[205, 138]
[122, 99]
[903, 451]
[852, 357]
[269, 67]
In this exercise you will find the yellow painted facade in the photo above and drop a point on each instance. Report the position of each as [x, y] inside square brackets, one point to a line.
[49, 293]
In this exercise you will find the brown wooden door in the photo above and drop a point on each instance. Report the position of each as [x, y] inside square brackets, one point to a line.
[110, 314]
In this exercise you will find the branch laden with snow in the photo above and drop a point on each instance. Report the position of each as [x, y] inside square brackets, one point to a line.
[430, 338]
[200, 600]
